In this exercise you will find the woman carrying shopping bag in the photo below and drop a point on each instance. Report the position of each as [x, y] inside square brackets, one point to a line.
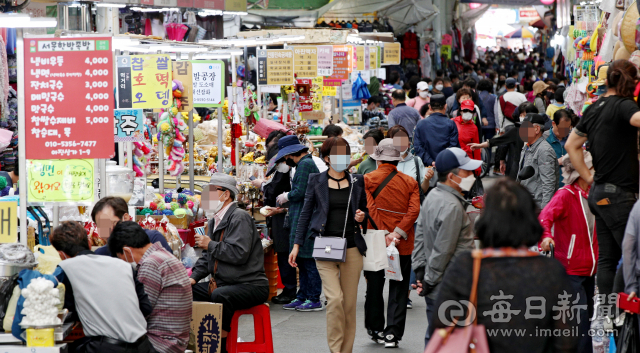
[334, 204]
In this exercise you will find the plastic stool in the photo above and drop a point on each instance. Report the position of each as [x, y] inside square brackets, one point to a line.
[263, 342]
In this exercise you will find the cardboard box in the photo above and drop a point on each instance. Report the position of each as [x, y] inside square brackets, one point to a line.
[206, 327]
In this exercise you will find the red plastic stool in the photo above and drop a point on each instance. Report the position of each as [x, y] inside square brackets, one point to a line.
[263, 342]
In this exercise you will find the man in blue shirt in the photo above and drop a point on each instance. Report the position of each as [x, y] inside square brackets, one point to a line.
[435, 133]
[558, 134]
[108, 212]
[403, 114]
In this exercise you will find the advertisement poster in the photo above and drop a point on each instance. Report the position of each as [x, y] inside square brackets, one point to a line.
[391, 54]
[280, 67]
[208, 83]
[360, 58]
[373, 58]
[306, 61]
[144, 81]
[325, 60]
[60, 180]
[367, 59]
[129, 125]
[69, 97]
[340, 63]
[262, 67]
[182, 71]
[311, 100]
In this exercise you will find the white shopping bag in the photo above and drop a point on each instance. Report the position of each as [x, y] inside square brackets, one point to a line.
[393, 272]
[376, 258]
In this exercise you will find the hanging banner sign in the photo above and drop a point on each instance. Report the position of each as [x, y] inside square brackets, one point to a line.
[182, 71]
[129, 125]
[173, 3]
[208, 83]
[330, 91]
[325, 60]
[262, 67]
[69, 97]
[60, 180]
[367, 59]
[340, 63]
[144, 81]
[306, 61]
[373, 58]
[280, 67]
[359, 58]
[391, 54]
[8, 222]
[316, 93]
[446, 51]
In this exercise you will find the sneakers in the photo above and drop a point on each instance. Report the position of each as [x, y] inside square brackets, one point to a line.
[293, 305]
[282, 299]
[390, 341]
[409, 304]
[376, 336]
[310, 306]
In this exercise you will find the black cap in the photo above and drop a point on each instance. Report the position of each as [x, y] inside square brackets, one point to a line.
[438, 100]
[534, 119]
[510, 82]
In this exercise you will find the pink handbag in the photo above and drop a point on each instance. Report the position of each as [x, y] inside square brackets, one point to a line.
[470, 338]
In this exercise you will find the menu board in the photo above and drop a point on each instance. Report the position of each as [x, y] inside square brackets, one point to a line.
[306, 61]
[325, 60]
[340, 63]
[208, 83]
[144, 81]
[182, 71]
[59, 180]
[391, 54]
[280, 67]
[367, 59]
[360, 58]
[69, 98]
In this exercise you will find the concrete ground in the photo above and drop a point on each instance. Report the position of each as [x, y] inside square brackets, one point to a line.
[297, 332]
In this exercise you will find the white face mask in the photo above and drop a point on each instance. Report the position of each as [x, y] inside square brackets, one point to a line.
[216, 206]
[340, 162]
[544, 76]
[466, 183]
[495, 80]
[439, 87]
[467, 116]
[424, 94]
[133, 264]
[283, 168]
[522, 117]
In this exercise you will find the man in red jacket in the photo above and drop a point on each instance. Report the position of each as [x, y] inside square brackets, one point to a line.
[574, 240]
[467, 130]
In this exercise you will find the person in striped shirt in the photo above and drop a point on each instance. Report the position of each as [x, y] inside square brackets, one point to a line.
[165, 281]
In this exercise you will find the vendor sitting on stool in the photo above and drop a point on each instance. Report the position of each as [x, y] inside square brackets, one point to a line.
[232, 255]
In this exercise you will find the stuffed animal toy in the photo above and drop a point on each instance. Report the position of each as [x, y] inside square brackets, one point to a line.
[141, 156]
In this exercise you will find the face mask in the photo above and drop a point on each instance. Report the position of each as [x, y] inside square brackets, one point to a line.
[467, 116]
[439, 87]
[466, 183]
[495, 80]
[133, 264]
[424, 94]
[544, 76]
[290, 162]
[522, 118]
[217, 206]
[430, 87]
[550, 95]
[340, 162]
[283, 168]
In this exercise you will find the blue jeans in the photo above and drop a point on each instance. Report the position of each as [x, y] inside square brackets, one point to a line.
[310, 282]
[430, 304]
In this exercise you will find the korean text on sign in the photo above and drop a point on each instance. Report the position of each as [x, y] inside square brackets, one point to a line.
[144, 81]
[68, 98]
[128, 125]
[60, 180]
[279, 67]
[208, 83]
[306, 61]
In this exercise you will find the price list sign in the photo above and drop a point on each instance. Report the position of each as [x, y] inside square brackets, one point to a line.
[280, 67]
[360, 58]
[391, 54]
[340, 65]
[68, 98]
[306, 61]
[325, 60]
[144, 81]
[262, 67]
[373, 58]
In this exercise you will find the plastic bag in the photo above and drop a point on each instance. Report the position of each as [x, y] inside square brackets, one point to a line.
[16, 254]
[6, 291]
[628, 340]
[189, 256]
[393, 272]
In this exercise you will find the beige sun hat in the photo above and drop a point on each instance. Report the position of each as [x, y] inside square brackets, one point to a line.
[602, 75]
[628, 28]
[622, 53]
[539, 87]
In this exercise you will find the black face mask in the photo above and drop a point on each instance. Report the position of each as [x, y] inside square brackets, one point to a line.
[447, 91]
[550, 95]
[290, 163]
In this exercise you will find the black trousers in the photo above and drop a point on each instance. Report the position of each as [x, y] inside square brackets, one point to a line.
[396, 306]
[287, 275]
[232, 297]
[96, 345]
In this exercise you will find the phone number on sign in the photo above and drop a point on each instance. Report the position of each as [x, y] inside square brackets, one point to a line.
[70, 144]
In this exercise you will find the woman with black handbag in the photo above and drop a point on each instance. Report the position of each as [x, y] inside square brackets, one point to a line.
[334, 204]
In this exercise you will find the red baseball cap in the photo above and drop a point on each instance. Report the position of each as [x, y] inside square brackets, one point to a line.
[467, 105]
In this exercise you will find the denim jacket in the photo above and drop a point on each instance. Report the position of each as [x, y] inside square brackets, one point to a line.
[316, 207]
